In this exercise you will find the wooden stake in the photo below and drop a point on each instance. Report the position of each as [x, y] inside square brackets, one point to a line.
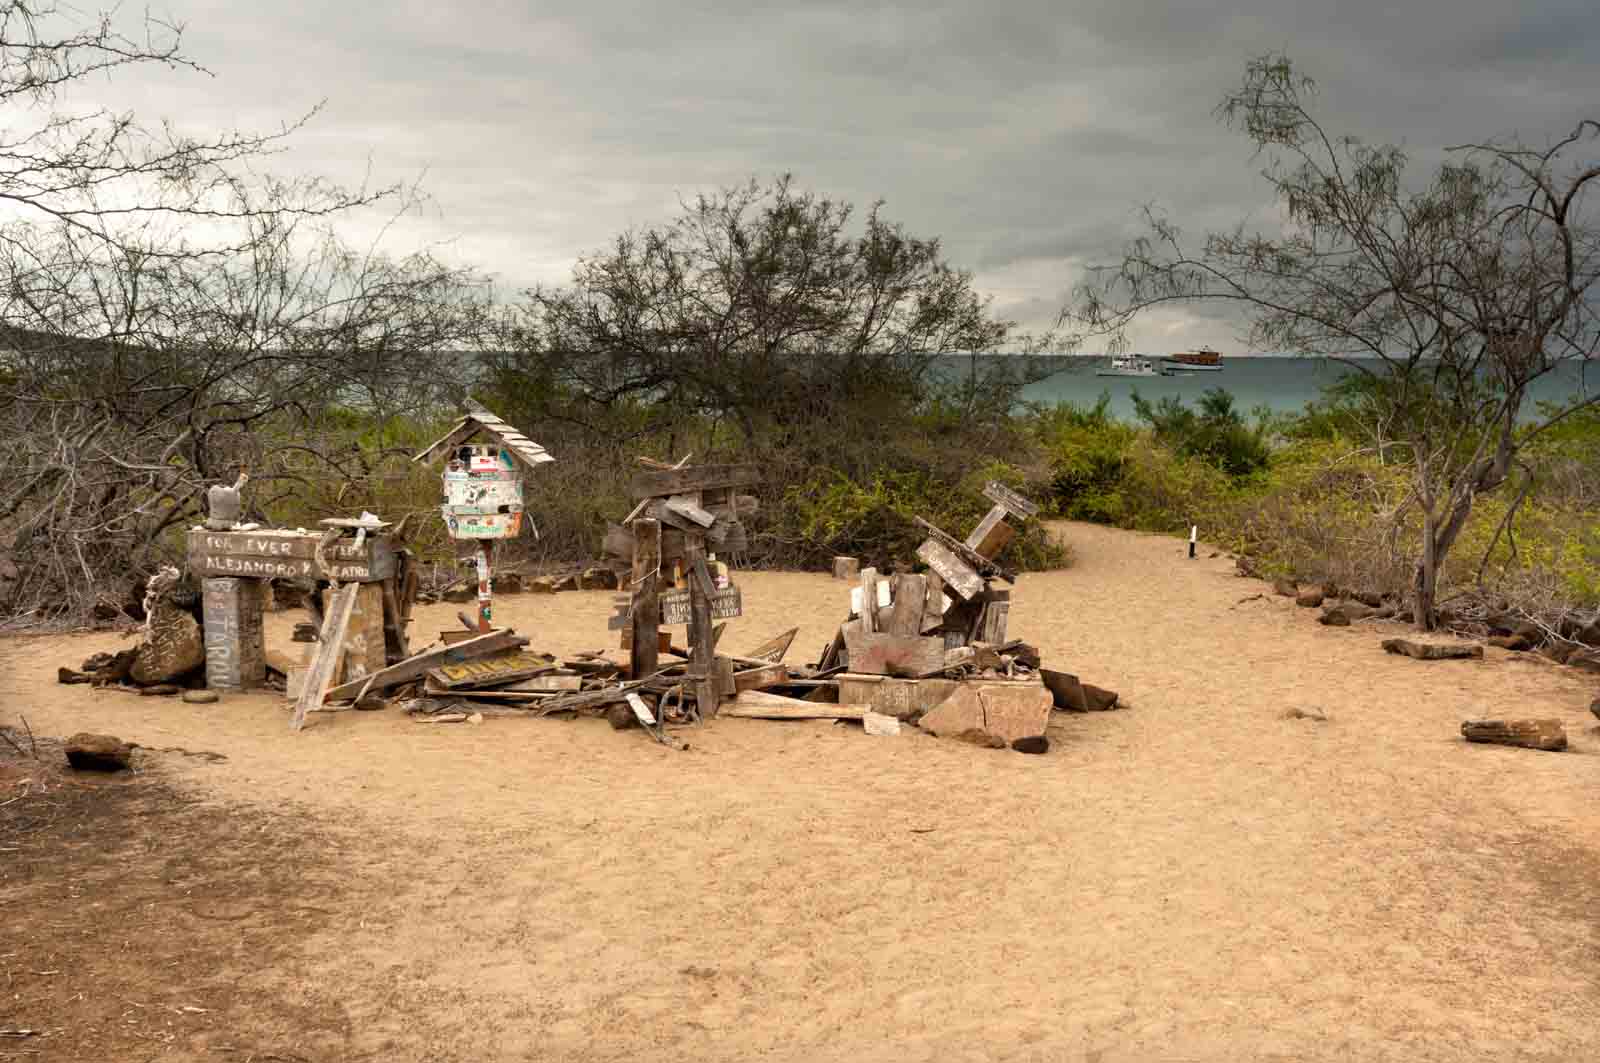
[644, 654]
[329, 649]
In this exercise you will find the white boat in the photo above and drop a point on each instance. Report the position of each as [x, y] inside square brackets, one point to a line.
[1129, 365]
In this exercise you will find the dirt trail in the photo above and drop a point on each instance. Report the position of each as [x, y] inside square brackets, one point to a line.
[1196, 878]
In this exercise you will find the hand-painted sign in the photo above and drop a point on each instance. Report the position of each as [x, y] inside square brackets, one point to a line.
[725, 605]
[271, 554]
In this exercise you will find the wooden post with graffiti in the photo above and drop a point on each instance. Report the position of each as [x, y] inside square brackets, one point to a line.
[483, 490]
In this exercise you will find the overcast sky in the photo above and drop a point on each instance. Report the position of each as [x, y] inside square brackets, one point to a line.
[1023, 132]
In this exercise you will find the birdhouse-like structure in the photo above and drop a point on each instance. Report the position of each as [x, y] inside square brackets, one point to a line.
[485, 460]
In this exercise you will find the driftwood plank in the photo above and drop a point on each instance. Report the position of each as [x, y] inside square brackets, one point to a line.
[992, 533]
[958, 576]
[869, 599]
[330, 647]
[758, 678]
[774, 648]
[910, 597]
[1548, 735]
[910, 656]
[416, 666]
[756, 705]
[983, 565]
[1000, 494]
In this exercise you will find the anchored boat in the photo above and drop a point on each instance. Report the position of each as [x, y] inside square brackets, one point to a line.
[1129, 365]
[1199, 360]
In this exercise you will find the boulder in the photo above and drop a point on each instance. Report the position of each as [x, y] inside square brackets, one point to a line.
[94, 752]
[1432, 651]
[1547, 735]
[1034, 744]
[1309, 597]
[172, 645]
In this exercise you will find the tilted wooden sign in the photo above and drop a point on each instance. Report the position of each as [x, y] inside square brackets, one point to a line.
[995, 491]
[500, 668]
[271, 554]
[725, 605]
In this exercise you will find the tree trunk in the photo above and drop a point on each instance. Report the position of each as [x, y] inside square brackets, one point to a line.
[1425, 583]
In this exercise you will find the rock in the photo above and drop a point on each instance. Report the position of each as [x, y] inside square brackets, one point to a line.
[160, 690]
[1285, 587]
[1343, 614]
[1432, 651]
[1035, 744]
[1547, 735]
[201, 697]
[67, 675]
[1305, 714]
[1099, 698]
[977, 736]
[92, 752]
[620, 716]
[1511, 642]
[475, 718]
[172, 646]
[1072, 695]
[1371, 599]
[1309, 597]
[876, 723]
[1586, 660]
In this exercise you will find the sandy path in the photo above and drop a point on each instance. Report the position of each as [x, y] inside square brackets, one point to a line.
[1197, 878]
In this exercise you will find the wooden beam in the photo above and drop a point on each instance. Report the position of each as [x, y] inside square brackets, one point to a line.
[992, 533]
[756, 705]
[329, 649]
[869, 599]
[983, 565]
[758, 678]
[956, 574]
[666, 482]
[420, 664]
[910, 597]
[912, 656]
[644, 654]
[999, 493]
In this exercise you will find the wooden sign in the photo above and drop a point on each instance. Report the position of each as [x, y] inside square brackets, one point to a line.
[498, 668]
[998, 492]
[725, 604]
[956, 573]
[271, 554]
[235, 653]
[667, 482]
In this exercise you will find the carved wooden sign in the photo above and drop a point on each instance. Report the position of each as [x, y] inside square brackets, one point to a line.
[725, 605]
[270, 554]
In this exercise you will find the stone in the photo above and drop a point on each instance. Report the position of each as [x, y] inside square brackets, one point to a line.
[171, 646]
[1006, 709]
[1547, 735]
[621, 717]
[1334, 618]
[370, 703]
[876, 723]
[1371, 599]
[1309, 597]
[1343, 614]
[1034, 744]
[67, 675]
[96, 752]
[201, 697]
[1285, 587]
[1433, 651]
[1305, 714]
[160, 690]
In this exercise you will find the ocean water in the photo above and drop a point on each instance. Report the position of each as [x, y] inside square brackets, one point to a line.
[1281, 384]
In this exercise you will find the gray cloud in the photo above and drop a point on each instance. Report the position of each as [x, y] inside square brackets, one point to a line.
[1024, 133]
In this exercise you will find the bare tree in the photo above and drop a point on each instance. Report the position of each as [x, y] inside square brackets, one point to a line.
[1465, 288]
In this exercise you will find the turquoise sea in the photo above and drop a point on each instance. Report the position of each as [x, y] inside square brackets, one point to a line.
[1283, 384]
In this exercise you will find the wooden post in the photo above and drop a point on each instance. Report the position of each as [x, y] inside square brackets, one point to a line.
[485, 586]
[869, 600]
[702, 664]
[644, 654]
[235, 652]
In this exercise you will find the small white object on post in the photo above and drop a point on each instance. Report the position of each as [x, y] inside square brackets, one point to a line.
[1194, 533]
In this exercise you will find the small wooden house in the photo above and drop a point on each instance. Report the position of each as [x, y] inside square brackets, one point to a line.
[485, 461]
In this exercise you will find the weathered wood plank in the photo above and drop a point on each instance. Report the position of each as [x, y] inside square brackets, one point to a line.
[330, 648]
[976, 561]
[910, 597]
[687, 507]
[869, 600]
[757, 705]
[992, 533]
[758, 678]
[911, 656]
[958, 576]
[847, 569]
[999, 493]
[935, 602]
[774, 648]
[665, 482]
[491, 670]
[1548, 735]
[644, 650]
[420, 664]
[276, 554]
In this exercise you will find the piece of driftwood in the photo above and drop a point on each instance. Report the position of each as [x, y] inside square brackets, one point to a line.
[999, 493]
[846, 568]
[774, 648]
[644, 648]
[1548, 735]
[992, 533]
[330, 647]
[869, 600]
[910, 597]
[958, 576]
[758, 705]
[1072, 695]
[756, 678]
[910, 656]
[418, 665]
[983, 565]
[1433, 651]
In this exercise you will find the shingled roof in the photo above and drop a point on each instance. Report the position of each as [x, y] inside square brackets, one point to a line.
[484, 422]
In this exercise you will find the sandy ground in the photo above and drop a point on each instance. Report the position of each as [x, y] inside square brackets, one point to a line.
[1195, 878]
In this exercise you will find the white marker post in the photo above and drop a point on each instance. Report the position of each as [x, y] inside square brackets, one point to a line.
[1194, 533]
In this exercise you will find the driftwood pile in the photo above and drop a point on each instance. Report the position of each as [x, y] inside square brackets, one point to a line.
[933, 649]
